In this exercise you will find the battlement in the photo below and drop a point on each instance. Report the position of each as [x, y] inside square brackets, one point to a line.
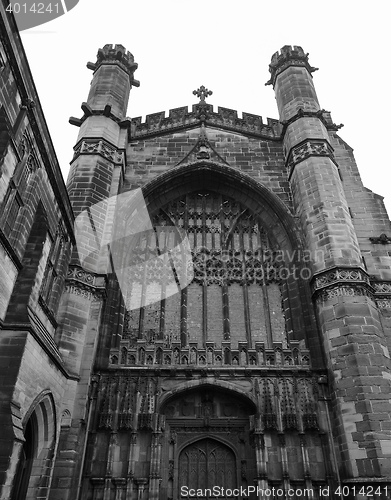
[179, 118]
[287, 52]
[115, 54]
[288, 56]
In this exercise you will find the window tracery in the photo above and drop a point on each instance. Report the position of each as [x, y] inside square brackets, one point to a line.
[235, 294]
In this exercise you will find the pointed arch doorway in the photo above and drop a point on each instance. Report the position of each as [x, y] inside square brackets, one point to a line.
[205, 464]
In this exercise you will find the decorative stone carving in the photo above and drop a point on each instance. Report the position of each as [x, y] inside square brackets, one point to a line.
[275, 356]
[100, 147]
[340, 282]
[382, 287]
[384, 303]
[304, 150]
[339, 275]
[383, 239]
[341, 291]
[85, 284]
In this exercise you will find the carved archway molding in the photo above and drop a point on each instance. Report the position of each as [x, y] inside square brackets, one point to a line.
[40, 434]
[207, 435]
[211, 383]
[229, 181]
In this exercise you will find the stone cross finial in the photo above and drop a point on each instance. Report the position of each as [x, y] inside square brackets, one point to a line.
[202, 93]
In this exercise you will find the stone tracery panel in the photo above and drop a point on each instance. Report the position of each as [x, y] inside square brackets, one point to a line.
[235, 295]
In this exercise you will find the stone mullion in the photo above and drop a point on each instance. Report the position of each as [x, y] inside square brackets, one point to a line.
[144, 289]
[260, 454]
[326, 454]
[172, 453]
[184, 332]
[97, 487]
[163, 285]
[261, 460]
[204, 283]
[245, 291]
[225, 304]
[131, 462]
[225, 296]
[268, 324]
[162, 313]
[154, 476]
[304, 454]
[119, 483]
[284, 460]
[183, 326]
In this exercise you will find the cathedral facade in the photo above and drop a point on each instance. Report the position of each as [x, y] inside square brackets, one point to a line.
[203, 310]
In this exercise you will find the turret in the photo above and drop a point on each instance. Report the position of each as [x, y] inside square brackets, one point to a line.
[97, 169]
[347, 314]
[320, 200]
[103, 134]
[112, 80]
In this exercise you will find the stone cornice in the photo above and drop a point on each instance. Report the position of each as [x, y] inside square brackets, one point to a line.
[382, 288]
[323, 115]
[306, 149]
[382, 294]
[341, 281]
[350, 282]
[101, 147]
[225, 372]
[141, 353]
[83, 283]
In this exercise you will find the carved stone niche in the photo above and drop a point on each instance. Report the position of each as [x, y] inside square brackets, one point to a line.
[207, 402]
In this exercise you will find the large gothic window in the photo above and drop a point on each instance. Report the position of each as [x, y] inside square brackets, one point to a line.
[235, 295]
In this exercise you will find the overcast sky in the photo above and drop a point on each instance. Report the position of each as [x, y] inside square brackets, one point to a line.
[225, 45]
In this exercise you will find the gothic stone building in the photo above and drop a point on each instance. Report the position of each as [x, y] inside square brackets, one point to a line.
[262, 360]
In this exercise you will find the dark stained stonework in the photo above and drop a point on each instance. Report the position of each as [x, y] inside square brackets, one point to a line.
[270, 366]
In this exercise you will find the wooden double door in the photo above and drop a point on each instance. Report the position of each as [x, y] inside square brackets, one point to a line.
[206, 465]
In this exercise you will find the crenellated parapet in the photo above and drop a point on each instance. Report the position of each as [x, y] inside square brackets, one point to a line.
[116, 54]
[288, 56]
[225, 118]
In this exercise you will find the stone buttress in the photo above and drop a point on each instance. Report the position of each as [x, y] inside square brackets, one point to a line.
[95, 175]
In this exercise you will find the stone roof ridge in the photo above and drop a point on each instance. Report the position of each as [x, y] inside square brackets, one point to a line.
[226, 118]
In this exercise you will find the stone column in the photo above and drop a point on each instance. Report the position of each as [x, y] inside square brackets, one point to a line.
[357, 357]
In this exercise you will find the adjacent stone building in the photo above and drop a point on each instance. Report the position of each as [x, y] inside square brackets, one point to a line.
[206, 303]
